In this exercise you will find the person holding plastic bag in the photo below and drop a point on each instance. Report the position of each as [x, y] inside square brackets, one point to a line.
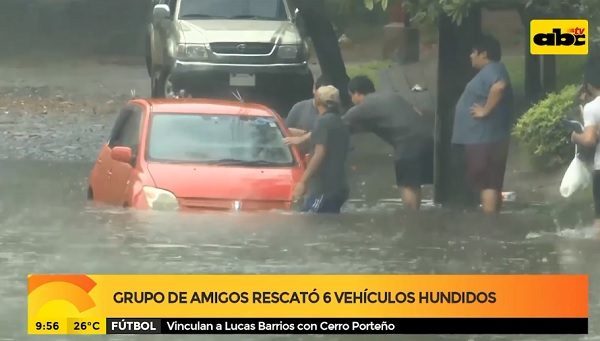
[590, 135]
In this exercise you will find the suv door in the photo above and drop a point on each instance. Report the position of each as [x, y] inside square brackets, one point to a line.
[125, 134]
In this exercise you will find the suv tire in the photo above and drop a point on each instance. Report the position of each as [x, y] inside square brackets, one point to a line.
[160, 85]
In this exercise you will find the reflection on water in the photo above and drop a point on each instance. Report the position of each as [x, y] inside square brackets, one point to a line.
[46, 226]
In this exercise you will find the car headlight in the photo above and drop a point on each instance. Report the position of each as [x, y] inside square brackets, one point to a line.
[159, 199]
[288, 52]
[192, 52]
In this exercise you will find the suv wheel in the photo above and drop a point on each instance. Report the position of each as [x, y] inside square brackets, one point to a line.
[162, 87]
[168, 88]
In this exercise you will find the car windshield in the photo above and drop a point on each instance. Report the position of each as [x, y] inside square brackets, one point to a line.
[218, 139]
[233, 9]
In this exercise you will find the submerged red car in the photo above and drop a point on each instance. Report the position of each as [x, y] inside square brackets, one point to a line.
[196, 154]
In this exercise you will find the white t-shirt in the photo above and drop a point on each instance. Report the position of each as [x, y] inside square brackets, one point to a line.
[591, 116]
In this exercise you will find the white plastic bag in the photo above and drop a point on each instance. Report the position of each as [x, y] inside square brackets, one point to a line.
[576, 177]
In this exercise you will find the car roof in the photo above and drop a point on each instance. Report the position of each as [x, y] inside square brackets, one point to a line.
[206, 106]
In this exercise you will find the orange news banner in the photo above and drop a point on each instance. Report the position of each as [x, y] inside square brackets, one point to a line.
[516, 296]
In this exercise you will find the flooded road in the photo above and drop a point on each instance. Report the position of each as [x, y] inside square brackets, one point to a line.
[46, 226]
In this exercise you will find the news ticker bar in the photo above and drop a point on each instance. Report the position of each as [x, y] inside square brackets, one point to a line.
[341, 326]
[307, 304]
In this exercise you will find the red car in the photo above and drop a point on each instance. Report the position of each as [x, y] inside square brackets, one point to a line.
[197, 154]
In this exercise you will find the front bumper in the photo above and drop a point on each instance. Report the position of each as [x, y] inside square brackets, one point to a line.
[212, 205]
[195, 71]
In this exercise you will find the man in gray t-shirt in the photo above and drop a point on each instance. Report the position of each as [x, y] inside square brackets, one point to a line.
[394, 120]
[482, 123]
[303, 116]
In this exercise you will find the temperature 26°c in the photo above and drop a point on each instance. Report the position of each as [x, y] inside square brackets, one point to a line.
[87, 325]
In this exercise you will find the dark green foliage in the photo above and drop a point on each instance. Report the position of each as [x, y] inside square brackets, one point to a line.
[541, 133]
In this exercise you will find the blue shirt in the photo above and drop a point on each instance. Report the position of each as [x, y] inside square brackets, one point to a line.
[497, 125]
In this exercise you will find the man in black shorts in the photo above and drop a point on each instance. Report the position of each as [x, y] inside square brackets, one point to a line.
[393, 119]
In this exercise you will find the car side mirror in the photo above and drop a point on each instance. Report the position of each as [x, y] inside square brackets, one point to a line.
[161, 11]
[295, 15]
[122, 154]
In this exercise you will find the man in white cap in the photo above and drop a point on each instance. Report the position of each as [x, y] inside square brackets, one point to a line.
[326, 174]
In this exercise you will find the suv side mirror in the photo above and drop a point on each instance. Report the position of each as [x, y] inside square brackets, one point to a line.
[161, 11]
[122, 154]
[295, 15]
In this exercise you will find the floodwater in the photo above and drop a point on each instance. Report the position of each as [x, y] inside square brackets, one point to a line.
[46, 226]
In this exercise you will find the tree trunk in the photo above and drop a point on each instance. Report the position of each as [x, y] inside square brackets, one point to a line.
[533, 74]
[549, 74]
[319, 28]
[533, 82]
[454, 72]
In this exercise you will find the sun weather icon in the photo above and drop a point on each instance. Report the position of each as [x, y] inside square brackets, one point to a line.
[71, 289]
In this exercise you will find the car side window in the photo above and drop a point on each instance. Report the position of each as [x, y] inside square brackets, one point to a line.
[127, 130]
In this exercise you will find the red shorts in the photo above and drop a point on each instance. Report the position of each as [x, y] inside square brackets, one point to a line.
[486, 164]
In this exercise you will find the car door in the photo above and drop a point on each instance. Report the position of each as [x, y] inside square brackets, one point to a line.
[99, 176]
[127, 134]
[99, 179]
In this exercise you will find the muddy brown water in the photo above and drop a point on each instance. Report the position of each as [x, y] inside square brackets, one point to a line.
[46, 225]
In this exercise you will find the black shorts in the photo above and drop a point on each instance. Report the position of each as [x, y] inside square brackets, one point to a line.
[596, 191]
[486, 164]
[416, 171]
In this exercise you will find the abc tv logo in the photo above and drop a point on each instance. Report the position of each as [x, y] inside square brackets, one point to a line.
[559, 37]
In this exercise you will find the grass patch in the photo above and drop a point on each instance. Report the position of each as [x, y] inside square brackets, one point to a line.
[361, 33]
[516, 69]
[371, 69]
[569, 70]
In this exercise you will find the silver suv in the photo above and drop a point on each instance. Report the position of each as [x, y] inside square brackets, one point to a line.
[215, 47]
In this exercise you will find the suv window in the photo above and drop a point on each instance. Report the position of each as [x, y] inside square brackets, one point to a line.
[126, 132]
[233, 9]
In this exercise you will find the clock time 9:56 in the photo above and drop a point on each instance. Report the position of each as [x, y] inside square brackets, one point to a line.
[47, 325]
